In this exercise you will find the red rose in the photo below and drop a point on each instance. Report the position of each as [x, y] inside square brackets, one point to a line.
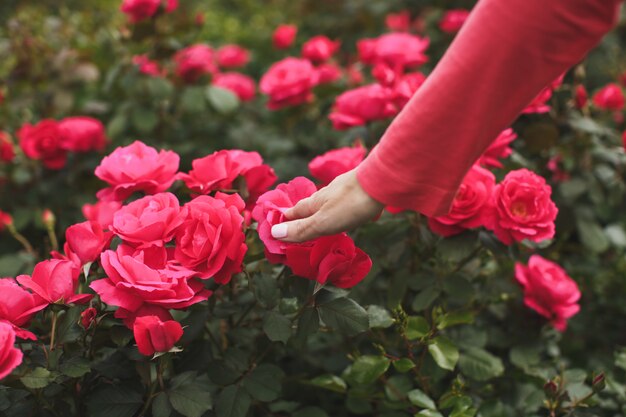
[330, 259]
[539, 103]
[102, 212]
[333, 163]
[153, 335]
[241, 85]
[129, 317]
[548, 290]
[469, 208]
[284, 35]
[88, 317]
[56, 281]
[399, 22]
[138, 10]
[10, 356]
[406, 86]
[270, 208]
[362, 105]
[211, 240]
[147, 66]
[453, 20]
[499, 148]
[328, 73]
[5, 220]
[522, 208]
[43, 141]
[7, 153]
[609, 97]
[367, 50]
[385, 75]
[82, 134]
[18, 307]
[580, 96]
[232, 56]
[146, 277]
[136, 167]
[194, 61]
[400, 50]
[319, 48]
[289, 82]
[87, 240]
[149, 221]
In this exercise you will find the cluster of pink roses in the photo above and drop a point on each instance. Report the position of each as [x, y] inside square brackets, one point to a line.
[139, 10]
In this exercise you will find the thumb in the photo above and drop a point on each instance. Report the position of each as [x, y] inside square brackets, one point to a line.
[296, 231]
[303, 208]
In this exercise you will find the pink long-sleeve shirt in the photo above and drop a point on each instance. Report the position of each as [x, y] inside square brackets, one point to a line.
[507, 51]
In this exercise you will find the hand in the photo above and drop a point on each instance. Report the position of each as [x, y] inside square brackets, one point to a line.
[340, 206]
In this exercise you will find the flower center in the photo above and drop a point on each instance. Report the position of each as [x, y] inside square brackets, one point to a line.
[519, 209]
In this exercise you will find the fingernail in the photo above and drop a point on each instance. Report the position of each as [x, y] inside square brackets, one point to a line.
[279, 231]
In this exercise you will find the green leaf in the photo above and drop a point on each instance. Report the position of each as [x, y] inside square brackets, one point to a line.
[455, 318]
[159, 87]
[480, 365]
[379, 317]
[367, 369]
[192, 100]
[75, 367]
[310, 412]
[330, 382]
[233, 401]
[161, 406]
[308, 323]
[222, 99]
[190, 395]
[117, 125]
[416, 327]
[277, 327]
[117, 400]
[425, 298]
[345, 315]
[37, 378]
[144, 120]
[456, 248]
[524, 356]
[397, 387]
[445, 354]
[264, 383]
[592, 235]
[403, 365]
[266, 290]
[420, 399]
[428, 413]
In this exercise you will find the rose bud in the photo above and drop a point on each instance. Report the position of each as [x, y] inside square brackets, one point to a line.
[155, 336]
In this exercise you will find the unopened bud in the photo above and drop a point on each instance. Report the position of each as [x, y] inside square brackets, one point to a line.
[5, 220]
[598, 382]
[551, 389]
[48, 218]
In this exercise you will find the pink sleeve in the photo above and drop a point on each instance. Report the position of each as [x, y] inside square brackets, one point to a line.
[507, 51]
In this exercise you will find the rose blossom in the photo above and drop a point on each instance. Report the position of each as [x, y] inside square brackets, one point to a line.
[153, 335]
[194, 61]
[284, 35]
[232, 56]
[82, 134]
[241, 85]
[406, 86]
[147, 66]
[129, 317]
[136, 167]
[499, 148]
[319, 49]
[399, 22]
[522, 208]
[469, 207]
[87, 240]
[43, 141]
[453, 20]
[331, 164]
[10, 356]
[289, 82]
[7, 153]
[138, 10]
[384, 74]
[18, 307]
[5, 220]
[88, 317]
[101, 212]
[361, 105]
[609, 97]
[270, 208]
[367, 50]
[328, 73]
[56, 281]
[548, 290]
[400, 50]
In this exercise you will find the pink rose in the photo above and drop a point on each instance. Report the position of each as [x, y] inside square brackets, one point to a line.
[136, 167]
[56, 281]
[328, 73]
[101, 212]
[82, 134]
[18, 307]
[232, 56]
[147, 66]
[548, 290]
[453, 20]
[138, 10]
[367, 50]
[319, 49]
[362, 105]
[241, 85]
[609, 97]
[333, 163]
[400, 50]
[398, 22]
[194, 61]
[87, 240]
[43, 141]
[355, 76]
[10, 356]
[284, 35]
[406, 86]
[129, 317]
[499, 148]
[522, 208]
[289, 82]
[211, 240]
[155, 336]
[7, 153]
[470, 206]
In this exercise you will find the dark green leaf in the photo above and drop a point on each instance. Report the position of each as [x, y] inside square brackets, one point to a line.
[444, 353]
[233, 401]
[118, 401]
[367, 369]
[161, 406]
[379, 317]
[144, 120]
[266, 290]
[345, 315]
[403, 365]
[37, 378]
[190, 395]
[330, 382]
[277, 327]
[192, 100]
[480, 365]
[264, 383]
[310, 412]
[420, 399]
[455, 318]
[75, 367]
[425, 298]
[416, 327]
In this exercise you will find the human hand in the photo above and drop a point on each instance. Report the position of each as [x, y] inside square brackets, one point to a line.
[340, 206]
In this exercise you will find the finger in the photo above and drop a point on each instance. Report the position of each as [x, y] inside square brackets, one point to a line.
[296, 231]
[303, 208]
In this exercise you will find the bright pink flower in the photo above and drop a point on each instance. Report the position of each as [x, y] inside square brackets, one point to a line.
[554, 166]
[398, 50]
[136, 167]
[333, 163]
[194, 61]
[523, 208]
[147, 66]
[609, 97]
[328, 73]
[399, 22]
[241, 85]
[385, 75]
[149, 221]
[355, 76]
[289, 82]
[10, 356]
[500, 148]
[101, 212]
[56, 281]
[284, 35]
[453, 20]
[362, 105]
[540, 103]
[18, 307]
[470, 206]
[548, 290]
[88, 317]
[5, 220]
[232, 56]
[319, 49]
[129, 317]
[87, 240]
[406, 86]
[82, 134]
[43, 141]
[367, 50]
[138, 10]
[155, 336]
[7, 153]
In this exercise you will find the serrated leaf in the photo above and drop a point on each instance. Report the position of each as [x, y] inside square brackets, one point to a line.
[480, 365]
[161, 406]
[345, 315]
[75, 367]
[367, 369]
[233, 401]
[190, 396]
[37, 378]
[419, 398]
[277, 327]
[443, 351]
[264, 383]
[118, 401]
[330, 382]
[379, 317]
